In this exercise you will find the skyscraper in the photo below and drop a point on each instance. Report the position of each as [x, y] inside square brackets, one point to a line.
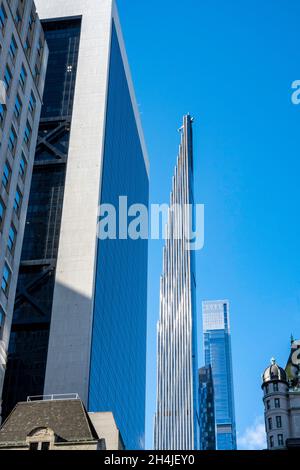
[217, 353]
[176, 420]
[81, 307]
[207, 409]
[23, 60]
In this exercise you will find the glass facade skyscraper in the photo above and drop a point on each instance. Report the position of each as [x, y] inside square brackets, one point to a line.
[176, 420]
[217, 354]
[81, 309]
[207, 409]
[118, 354]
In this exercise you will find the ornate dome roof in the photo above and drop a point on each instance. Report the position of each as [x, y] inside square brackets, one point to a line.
[274, 372]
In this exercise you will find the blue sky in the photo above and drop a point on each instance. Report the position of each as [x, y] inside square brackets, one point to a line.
[231, 65]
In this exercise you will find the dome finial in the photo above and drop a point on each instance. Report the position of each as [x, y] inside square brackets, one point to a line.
[292, 338]
[273, 360]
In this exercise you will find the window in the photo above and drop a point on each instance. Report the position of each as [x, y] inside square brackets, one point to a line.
[36, 73]
[18, 107]
[275, 387]
[33, 446]
[40, 47]
[13, 48]
[31, 20]
[6, 279]
[18, 201]
[2, 114]
[267, 389]
[32, 104]
[6, 176]
[268, 405]
[2, 319]
[278, 422]
[12, 239]
[2, 213]
[12, 140]
[18, 17]
[27, 46]
[23, 166]
[280, 440]
[45, 446]
[27, 134]
[23, 77]
[3, 17]
[7, 78]
[277, 402]
[271, 441]
[270, 423]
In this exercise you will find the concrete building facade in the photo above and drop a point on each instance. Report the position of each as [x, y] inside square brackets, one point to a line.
[23, 61]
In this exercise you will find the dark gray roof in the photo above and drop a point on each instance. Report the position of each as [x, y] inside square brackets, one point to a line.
[274, 373]
[67, 418]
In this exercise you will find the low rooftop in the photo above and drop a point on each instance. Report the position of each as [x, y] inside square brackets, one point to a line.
[67, 418]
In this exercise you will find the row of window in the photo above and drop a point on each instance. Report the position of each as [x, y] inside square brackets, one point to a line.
[6, 278]
[7, 79]
[278, 423]
[2, 320]
[18, 17]
[13, 138]
[280, 441]
[11, 242]
[7, 172]
[13, 48]
[3, 17]
[39, 446]
[276, 403]
[275, 388]
[17, 206]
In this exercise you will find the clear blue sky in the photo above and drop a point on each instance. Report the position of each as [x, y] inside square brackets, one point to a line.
[230, 64]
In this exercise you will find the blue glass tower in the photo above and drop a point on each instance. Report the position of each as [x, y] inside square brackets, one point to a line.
[217, 353]
[207, 409]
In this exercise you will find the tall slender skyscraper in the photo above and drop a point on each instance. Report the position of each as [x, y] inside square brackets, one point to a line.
[23, 61]
[217, 353]
[81, 308]
[176, 420]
